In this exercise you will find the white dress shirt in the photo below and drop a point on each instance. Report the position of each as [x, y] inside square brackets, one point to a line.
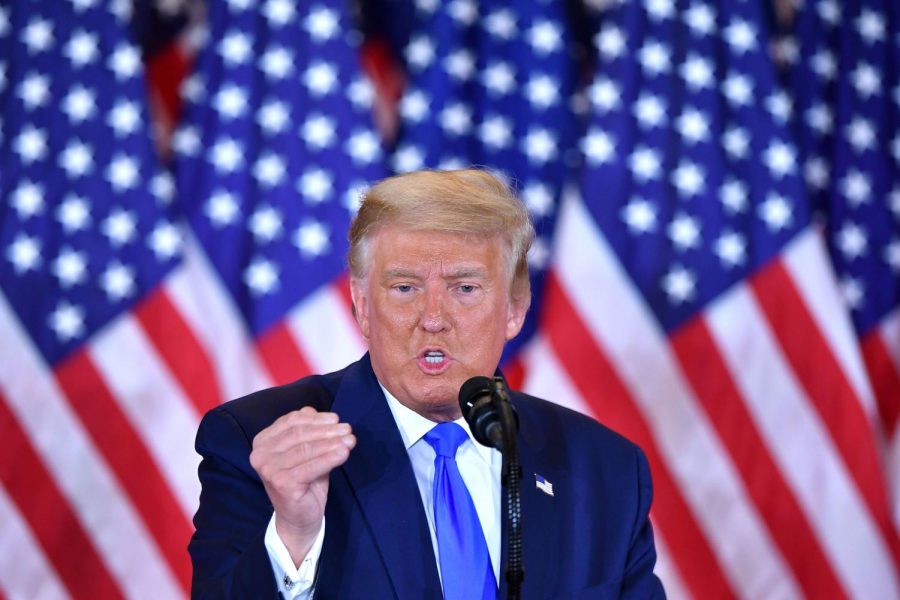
[480, 469]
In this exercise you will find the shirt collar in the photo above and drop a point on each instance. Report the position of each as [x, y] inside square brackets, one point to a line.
[414, 426]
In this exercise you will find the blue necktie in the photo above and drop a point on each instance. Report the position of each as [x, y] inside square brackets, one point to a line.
[465, 563]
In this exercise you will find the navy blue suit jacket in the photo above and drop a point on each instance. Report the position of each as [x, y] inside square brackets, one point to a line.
[590, 539]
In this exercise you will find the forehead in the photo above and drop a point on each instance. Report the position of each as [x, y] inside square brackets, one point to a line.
[394, 247]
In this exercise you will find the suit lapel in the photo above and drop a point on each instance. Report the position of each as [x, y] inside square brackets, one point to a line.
[382, 479]
[540, 523]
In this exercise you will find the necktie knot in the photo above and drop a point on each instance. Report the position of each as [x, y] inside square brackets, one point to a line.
[446, 438]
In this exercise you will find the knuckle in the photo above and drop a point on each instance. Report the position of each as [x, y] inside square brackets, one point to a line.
[306, 449]
[265, 473]
[258, 441]
[341, 452]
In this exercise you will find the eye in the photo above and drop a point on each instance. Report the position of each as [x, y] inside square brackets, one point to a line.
[403, 288]
[467, 288]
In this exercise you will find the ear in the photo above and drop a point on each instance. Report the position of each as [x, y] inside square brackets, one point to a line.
[360, 296]
[515, 318]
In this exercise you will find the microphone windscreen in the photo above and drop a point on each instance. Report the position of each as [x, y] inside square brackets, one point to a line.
[471, 390]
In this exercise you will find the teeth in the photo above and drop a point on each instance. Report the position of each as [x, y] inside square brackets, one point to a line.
[434, 357]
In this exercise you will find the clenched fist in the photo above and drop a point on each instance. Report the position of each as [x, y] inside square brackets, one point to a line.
[293, 457]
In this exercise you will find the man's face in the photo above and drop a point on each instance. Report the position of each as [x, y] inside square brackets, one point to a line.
[436, 310]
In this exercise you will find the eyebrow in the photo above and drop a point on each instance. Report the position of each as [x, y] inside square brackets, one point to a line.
[399, 274]
[466, 273]
[459, 273]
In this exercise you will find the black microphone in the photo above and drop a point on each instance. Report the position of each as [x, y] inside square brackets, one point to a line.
[485, 406]
[480, 412]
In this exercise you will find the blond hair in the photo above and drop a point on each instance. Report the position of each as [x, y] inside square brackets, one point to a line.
[466, 202]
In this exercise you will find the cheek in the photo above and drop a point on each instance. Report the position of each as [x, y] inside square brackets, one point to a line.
[488, 331]
[395, 319]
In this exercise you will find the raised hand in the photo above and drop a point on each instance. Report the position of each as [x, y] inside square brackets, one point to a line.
[294, 457]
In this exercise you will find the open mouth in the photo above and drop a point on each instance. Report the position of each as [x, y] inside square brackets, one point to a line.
[434, 357]
[434, 362]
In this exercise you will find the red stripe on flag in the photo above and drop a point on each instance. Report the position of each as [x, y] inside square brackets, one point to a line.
[711, 381]
[179, 348]
[885, 380]
[281, 355]
[129, 459]
[387, 77]
[166, 70]
[827, 387]
[55, 526]
[598, 383]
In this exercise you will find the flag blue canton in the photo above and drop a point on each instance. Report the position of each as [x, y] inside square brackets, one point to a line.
[85, 225]
[847, 130]
[690, 170]
[492, 86]
[276, 149]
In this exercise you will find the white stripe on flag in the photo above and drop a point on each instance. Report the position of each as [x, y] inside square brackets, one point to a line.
[546, 378]
[154, 404]
[198, 294]
[123, 542]
[632, 339]
[807, 263]
[25, 571]
[325, 331]
[801, 447]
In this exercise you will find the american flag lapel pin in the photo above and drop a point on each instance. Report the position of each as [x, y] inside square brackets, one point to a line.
[542, 484]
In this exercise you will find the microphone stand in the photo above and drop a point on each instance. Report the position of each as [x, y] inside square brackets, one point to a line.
[511, 479]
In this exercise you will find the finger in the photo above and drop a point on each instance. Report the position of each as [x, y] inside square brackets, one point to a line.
[308, 463]
[330, 457]
[305, 416]
[307, 451]
[295, 435]
[290, 451]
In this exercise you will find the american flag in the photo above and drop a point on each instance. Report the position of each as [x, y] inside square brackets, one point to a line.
[97, 490]
[132, 302]
[683, 292]
[706, 324]
[845, 75]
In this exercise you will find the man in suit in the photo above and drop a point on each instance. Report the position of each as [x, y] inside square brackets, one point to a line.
[329, 486]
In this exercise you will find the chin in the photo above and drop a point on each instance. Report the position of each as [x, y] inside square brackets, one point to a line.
[439, 400]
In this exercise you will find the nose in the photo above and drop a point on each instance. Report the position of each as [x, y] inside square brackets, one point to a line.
[434, 318]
